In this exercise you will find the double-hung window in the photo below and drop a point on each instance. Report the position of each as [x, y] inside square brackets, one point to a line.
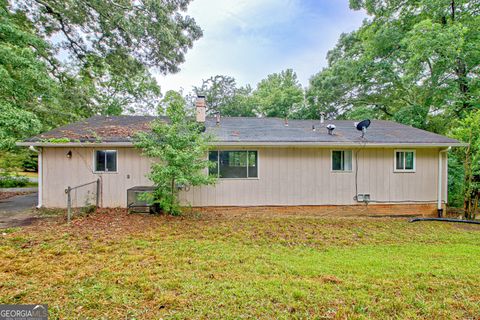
[234, 164]
[342, 160]
[105, 160]
[404, 161]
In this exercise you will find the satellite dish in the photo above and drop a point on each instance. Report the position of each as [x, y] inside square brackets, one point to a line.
[363, 125]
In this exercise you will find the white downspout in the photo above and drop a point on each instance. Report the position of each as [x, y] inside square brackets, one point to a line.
[40, 175]
[440, 181]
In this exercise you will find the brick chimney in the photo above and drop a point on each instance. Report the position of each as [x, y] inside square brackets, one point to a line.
[200, 107]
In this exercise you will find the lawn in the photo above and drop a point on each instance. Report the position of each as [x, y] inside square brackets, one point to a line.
[112, 265]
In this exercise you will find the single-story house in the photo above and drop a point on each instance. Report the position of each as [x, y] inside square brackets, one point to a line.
[261, 162]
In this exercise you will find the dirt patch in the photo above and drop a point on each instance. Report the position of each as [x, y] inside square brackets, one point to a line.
[7, 195]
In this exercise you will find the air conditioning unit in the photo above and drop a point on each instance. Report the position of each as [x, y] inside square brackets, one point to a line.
[136, 201]
[363, 197]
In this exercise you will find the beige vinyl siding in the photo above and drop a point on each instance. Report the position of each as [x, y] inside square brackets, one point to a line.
[60, 172]
[286, 176]
[303, 176]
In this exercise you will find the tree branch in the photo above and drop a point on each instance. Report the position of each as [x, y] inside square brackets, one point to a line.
[78, 49]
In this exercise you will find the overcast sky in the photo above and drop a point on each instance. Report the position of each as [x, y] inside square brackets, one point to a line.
[249, 39]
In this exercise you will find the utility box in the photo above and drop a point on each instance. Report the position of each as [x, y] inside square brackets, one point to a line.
[363, 197]
[135, 203]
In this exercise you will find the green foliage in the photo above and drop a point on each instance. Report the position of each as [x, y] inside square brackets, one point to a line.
[456, 177]
[278, 95]
[19, 160]
[108, 48]
[468, 132]
[242, 103]
[7, 181]
[416, 62]
[30, 162]
[63, 61]
[218, 90]
[222, 95]
[180, 152]
[57, 140]
[26, 89]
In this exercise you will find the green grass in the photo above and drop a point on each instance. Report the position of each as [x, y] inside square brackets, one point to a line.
[113, 265]
[27, 174]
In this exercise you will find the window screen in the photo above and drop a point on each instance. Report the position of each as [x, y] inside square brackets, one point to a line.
[404, 160]
[105, 160]
[342, 160]
[234, 164]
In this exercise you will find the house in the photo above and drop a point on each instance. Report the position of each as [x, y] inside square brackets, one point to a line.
[261, 162]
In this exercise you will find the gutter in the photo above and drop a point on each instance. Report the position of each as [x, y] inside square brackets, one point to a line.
[40, 175]
[440, 180]
[251, 144]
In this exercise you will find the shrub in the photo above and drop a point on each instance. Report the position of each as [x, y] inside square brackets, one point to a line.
[13, 182]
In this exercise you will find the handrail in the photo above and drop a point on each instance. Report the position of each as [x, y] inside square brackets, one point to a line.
[69, 197]
[79, 186]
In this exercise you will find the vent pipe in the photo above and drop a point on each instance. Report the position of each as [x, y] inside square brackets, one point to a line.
[217, 117]
[322, 117]
[330, 129]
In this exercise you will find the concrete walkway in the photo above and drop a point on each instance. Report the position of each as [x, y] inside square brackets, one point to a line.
[18, 211]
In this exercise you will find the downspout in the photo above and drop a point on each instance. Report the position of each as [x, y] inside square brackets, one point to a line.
[440, 181]
[40, 175]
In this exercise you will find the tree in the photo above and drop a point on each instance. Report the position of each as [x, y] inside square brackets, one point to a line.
[64, 61]
[179, 149]
[242, 104]
[218, 90]
[223, 96]
[415, 62]
[102, 51]
[278, 94]
[468, 131]
[27, 93]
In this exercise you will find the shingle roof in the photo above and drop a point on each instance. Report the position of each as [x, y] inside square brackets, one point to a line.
[249, 130]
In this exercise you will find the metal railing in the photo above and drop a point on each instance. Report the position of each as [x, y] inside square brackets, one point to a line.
[69, 189]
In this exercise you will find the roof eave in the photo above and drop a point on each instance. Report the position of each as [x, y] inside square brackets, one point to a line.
[253, 144]
[340, 144]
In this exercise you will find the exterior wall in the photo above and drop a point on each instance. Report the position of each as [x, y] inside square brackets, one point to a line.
[287, 177]
[303, 176]
[59, 172]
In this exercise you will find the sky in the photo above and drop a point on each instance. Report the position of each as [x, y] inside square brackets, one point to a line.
[249, 39]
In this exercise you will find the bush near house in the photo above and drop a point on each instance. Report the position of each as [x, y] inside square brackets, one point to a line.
[13, 181]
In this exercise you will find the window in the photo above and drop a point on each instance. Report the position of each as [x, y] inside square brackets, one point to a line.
[342, 160]
[404, 160]
[234, 164]
[105, 160]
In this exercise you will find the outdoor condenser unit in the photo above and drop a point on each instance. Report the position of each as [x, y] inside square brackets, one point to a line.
[135, 203]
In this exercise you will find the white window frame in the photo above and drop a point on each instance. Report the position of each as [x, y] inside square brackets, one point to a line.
[94, 156]
[404, 161]
[331, 161]
[236, 150]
